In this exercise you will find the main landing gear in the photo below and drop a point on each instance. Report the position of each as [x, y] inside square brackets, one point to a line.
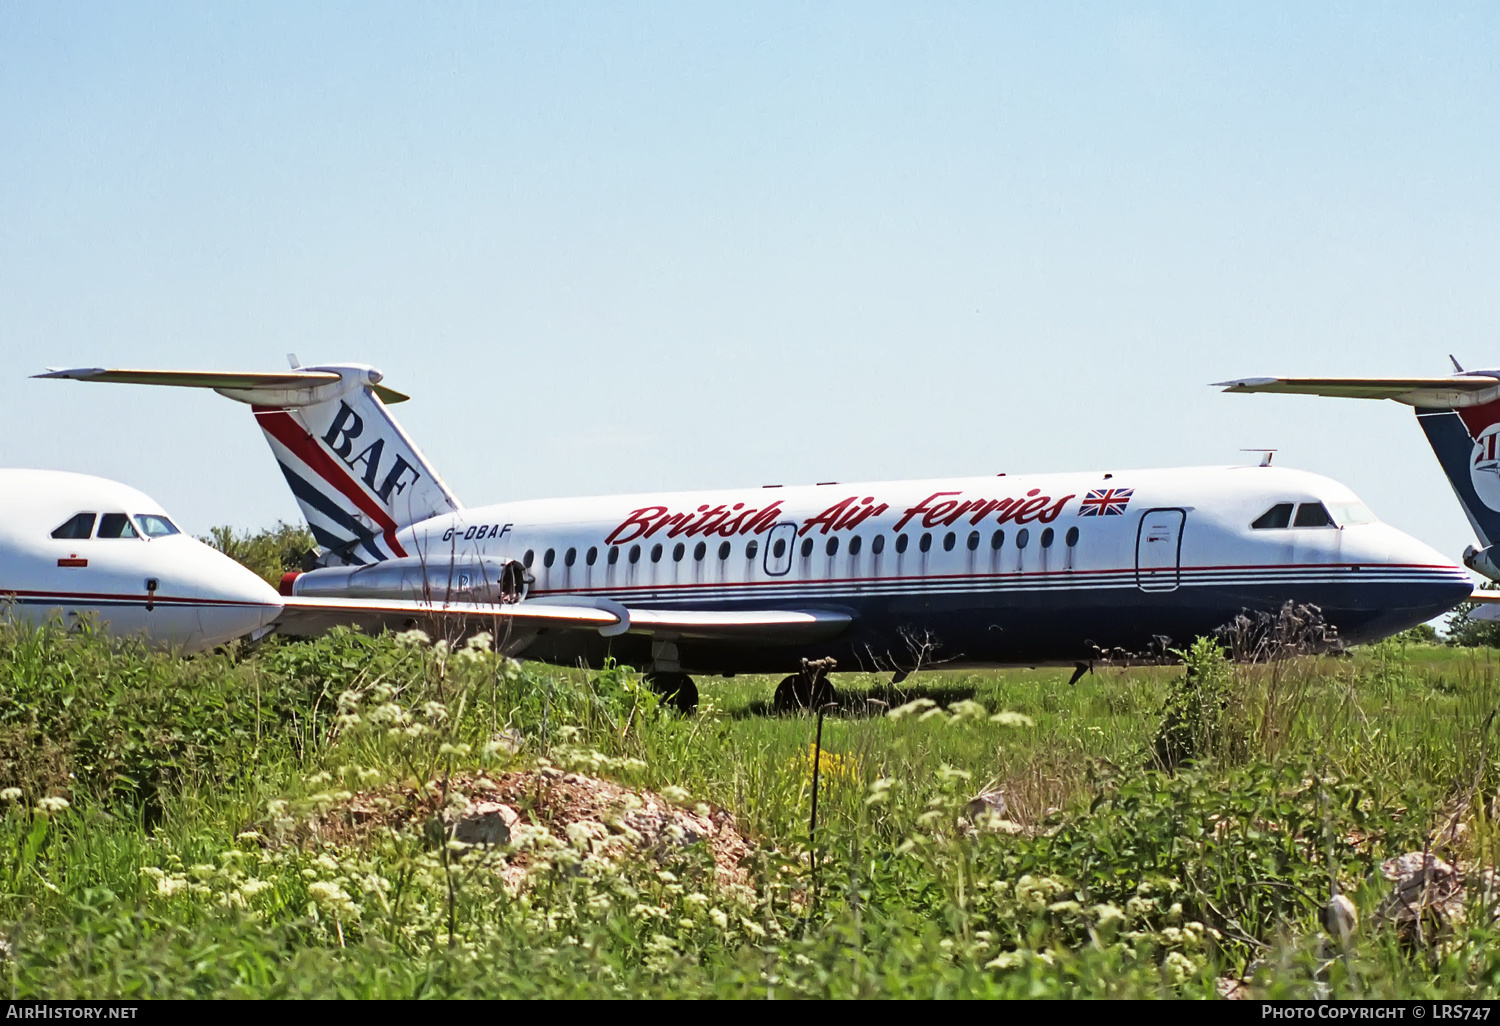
[676, 690]
[810, 689]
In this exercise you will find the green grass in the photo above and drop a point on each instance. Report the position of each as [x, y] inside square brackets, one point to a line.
[1125, 864]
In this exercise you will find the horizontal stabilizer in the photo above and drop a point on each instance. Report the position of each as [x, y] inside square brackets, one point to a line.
[194, 379]
[1485, 598]
[1455, 392]
[273, 388]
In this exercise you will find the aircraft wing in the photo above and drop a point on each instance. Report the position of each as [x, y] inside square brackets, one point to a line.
[1456, 391]
[757, 626]
[303, 616]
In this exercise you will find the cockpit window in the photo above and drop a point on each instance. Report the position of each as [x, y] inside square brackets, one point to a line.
[155, 526]
[116, 525]
[1279, 515]
[1313, 514]
[1351, 514]
[79, 525]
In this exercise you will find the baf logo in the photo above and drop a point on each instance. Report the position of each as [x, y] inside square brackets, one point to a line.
[1484, 466]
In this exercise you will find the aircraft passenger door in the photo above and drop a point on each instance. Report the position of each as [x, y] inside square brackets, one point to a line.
[1158, 549]
[779, 545]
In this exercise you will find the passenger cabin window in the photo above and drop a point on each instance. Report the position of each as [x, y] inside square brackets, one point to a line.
[593, 555]
[1047, 538]
[997, 540]
[724, 549]
[854, 545]
[527, 559]
[570, 557]
[699, 550]
[948, 542]
[900, 543]
[635, 553]
[1312, 514]
[153, 526]
[1022, 537]
[549, 558]
[878, 545]
[973, 540]
[614, 555]
[832, 548]
[656, 553]
[1072, 537]
[806, 547]
[751, 548]
[116, 525]
[1279, 515]
[677, 551]
[926, 543]
[79, 525]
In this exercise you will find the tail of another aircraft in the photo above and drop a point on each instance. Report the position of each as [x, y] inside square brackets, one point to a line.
[1465, 442]
[356, 474]
[1461, 417]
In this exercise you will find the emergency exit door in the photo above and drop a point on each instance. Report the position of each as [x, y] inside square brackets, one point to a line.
[1158, 549]
[779, 545]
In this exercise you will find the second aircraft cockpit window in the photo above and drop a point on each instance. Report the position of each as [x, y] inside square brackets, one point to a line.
[1311, 514]
[154, 525]
[116, 525]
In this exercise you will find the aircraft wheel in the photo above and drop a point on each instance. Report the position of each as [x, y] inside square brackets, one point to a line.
[676, 690]
[799, 692]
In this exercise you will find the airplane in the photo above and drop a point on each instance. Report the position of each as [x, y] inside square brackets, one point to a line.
[1460, 415]
[76, 547]
[1019, 570]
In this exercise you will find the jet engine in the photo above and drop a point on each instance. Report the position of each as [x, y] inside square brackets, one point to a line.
[1485, 562]
[490, 581]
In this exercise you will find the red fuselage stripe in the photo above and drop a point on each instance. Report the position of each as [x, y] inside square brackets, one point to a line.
[104, 596]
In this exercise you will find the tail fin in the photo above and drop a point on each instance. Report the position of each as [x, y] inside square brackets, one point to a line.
[1460, 415]
[356, 474]
[1465, 442]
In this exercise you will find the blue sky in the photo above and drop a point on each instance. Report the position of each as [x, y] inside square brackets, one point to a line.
[623, 247]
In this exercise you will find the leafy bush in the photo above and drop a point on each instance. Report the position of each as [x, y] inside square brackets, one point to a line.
[270, 552]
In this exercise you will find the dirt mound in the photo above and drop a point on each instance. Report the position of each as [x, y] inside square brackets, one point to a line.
[600, 816]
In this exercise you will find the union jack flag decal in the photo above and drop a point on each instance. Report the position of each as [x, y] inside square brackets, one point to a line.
[1106, 502]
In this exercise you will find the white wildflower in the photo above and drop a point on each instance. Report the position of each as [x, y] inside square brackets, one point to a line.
[53, 804]
[170, 885]
[10, 794]
[966, 709]
[413, 637]
[330, 896]
[914, 706]
[1178, 967]
[1012, 719]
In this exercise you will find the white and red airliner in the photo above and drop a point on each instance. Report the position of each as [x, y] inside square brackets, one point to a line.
[982, 571]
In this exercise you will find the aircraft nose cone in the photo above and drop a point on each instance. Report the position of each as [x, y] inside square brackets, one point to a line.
[232, 601]
[1414, 583]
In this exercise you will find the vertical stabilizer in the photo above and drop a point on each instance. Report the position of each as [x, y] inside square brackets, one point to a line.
[1465, 442]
